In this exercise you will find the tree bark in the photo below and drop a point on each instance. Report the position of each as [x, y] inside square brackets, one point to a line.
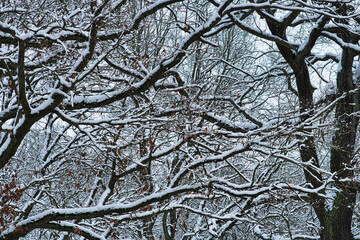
[339, 218]
[336, 222]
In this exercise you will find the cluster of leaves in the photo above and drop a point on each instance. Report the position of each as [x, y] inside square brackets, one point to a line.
[10, 194]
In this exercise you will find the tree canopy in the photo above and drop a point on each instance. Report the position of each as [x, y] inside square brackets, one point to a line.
[179, 119]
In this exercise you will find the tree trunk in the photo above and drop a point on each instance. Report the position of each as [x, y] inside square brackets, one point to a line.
[339, 218]
[335, 222]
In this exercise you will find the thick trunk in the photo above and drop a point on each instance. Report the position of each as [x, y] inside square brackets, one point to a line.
[339, 218]
[305, 91]
[336, 222]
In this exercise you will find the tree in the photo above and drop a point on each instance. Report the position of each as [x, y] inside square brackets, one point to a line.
[179, 119]
[336, 221]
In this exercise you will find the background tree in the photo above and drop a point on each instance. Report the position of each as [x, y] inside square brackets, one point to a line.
[179, 119]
